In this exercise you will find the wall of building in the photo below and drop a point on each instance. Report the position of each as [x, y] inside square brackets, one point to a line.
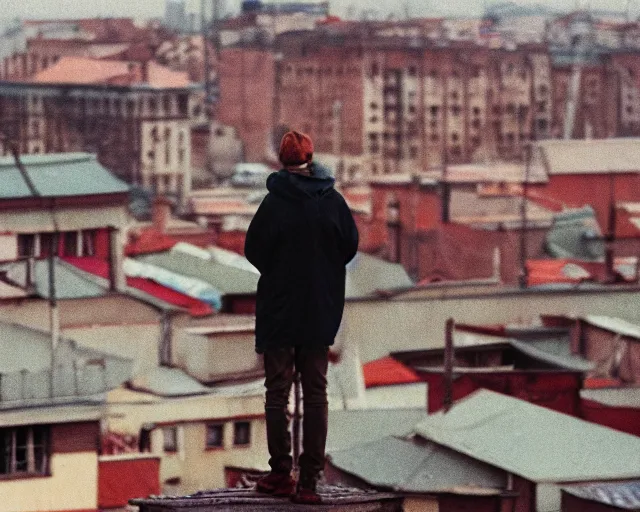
[199, 467]
[383, 326]
[576, 190]
[74, 458]
[247, 98]
[216, 357]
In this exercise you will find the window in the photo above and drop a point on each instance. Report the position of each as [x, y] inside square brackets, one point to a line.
[241, 433]
[412, 71]
[89, 242]
[434, 110]
[215, 435]
[70, 243]
[24, 450]
[26, 246]
[170, 439]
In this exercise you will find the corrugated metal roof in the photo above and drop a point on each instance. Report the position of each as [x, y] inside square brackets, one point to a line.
[574, 234]
[418, 466]
[616, 325]
[623, 495]
[58, 175]
[70, 282]
[366, 274]
[352, 427]
[614, 397]
[536, 443]
[588, 156]
[225, 278]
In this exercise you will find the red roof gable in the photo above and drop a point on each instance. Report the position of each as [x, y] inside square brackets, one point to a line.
[387, 372]
[100, 268]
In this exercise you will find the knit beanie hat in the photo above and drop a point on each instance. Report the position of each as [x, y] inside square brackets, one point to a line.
[295, 149]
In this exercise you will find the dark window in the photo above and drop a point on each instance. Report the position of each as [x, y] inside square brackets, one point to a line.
[183, 104]
[542, 125]
[412, 71]
[170, 439]
[241, 433]
[476, 111]
[70, 243]
[454, 95]
[434, 110]
[24, 450]
[46, 239]
[26, 246]
[455, 110]
[412, 109]
[373, 105]
[215, 436]
[375, 69]
[454, 137]
[413, 152]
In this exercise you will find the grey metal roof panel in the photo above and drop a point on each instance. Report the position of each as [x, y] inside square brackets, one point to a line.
[623, 495]
[536, 443]
[227, 279]
[616, 325]
[417, 466]
[366, 274]
[70, 282]
[553, 352]
[348, 428]
[58, 175]
[168, 382]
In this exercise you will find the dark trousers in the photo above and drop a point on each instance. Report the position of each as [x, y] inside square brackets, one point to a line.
[279, 365]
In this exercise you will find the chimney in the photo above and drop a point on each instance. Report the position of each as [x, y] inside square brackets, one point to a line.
[161, 213]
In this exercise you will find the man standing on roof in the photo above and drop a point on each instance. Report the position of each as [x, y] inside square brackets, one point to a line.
[300, 240]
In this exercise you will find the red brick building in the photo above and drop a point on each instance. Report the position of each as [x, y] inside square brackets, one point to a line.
[247, 81]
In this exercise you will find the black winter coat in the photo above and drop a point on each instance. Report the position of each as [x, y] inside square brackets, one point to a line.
[300, 240]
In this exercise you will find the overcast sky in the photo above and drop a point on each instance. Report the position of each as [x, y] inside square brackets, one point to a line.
[155, 8]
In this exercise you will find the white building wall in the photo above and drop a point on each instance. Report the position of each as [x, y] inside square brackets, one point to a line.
[76, 470]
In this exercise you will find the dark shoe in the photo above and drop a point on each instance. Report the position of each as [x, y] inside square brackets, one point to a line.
[276, 484]
[306, 495]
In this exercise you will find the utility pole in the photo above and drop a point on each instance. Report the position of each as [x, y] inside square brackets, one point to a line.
[522, 278]
[337, 139]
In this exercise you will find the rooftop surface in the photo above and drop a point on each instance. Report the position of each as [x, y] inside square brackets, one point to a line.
[536, 443]
[335, 499]
[56, 175]
[86, 71]
[417, 466]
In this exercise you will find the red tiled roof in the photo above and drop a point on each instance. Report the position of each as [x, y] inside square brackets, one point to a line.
[86, 71]
[387, 372]
[100, 268]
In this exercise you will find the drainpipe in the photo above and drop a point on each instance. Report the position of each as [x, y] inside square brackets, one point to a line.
[165, 354]
[448, 366]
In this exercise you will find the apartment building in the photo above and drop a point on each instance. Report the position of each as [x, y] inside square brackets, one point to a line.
[134, 116]
[407, 101]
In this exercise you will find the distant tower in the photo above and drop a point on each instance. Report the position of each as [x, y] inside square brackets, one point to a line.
[175, 15]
